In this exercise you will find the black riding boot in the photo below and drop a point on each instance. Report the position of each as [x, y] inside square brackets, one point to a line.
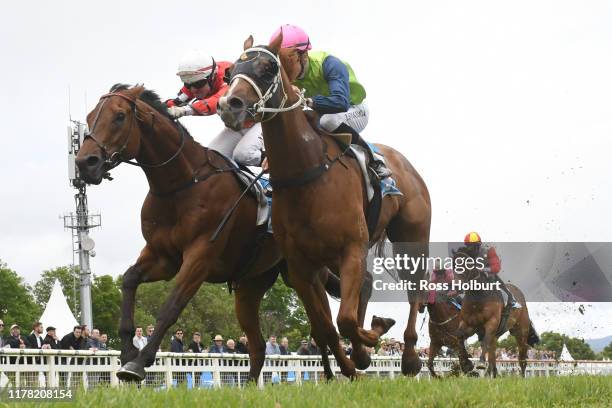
[532, 337]
[513, 303]
[376, 163]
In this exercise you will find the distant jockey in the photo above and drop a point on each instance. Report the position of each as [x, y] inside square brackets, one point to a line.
[332, 90]
[441, 275]
[474, 248]
[204, 83]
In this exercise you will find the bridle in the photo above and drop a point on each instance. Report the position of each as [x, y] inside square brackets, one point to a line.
[264, 97]
[116, 158]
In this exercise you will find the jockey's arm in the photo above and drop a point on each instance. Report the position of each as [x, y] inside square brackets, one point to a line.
[337, 77]
[493, 261]
[208, 106]
[181, 99]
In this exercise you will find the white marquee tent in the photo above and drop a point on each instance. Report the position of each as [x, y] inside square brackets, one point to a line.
[565, 354]
[57, 313]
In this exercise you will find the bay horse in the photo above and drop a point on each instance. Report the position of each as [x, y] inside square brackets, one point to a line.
[444, 319]
[319, 202]
[190, 190]
[482, 311]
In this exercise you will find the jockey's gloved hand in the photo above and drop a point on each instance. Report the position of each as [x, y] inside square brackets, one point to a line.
[179, 111]
[173, 102]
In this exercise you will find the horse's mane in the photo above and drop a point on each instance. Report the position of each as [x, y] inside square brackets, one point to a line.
[152, 99]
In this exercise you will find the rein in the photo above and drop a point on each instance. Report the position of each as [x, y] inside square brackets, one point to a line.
[116, 158]
[259, 107]
[264, 97]
[444, 322]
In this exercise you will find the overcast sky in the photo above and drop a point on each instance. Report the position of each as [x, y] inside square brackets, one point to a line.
[503, 107]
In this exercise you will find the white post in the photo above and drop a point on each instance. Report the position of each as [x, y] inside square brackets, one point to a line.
[114, 381]
[52, 376]
[216, 373]
[168, 371]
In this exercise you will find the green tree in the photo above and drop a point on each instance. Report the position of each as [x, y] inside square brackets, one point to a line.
[607, 351]
[68, 278]
[106, 307]
[283, 315]
[210, 312]
[577, 347]
[17, 303]
[509, 343]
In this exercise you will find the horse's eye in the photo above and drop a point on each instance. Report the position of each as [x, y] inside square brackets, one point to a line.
[120, 116]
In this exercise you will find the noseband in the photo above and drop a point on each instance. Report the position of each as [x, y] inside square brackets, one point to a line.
[116, 158]
[264, 97]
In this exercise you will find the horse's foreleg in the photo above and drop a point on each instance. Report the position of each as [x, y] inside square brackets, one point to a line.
[352, 269]
[464, 332]
[434, 349]
[313, 296]
[247, 301]
[148, 268]
[188, 280]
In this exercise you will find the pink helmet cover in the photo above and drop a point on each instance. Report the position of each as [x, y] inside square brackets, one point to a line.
[293, 37]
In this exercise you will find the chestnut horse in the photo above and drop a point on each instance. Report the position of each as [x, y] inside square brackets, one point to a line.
[482, 310]
[191, 189]
[319, 203]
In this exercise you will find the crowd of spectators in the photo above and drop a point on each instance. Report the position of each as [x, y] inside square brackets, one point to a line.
[82, 339]
[79, 339]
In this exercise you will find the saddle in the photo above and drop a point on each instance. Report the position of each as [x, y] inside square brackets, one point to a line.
[376, 189]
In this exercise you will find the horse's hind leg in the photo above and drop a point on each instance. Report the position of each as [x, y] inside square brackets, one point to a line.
[247, 301]
[491, 341]
[148, 268]
[520, 331]
[411, 241]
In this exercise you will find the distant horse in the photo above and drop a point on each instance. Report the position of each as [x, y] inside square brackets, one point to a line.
[190, 190]
[319, 204]
[444, 319]
[483, 311]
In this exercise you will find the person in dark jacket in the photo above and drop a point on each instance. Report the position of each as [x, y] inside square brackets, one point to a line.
[72, 341]
[313, 349]
[1, 337]
[176, 346]
[303, 350]
[35, 340]
[243, 345]
[51, 339]
[196, 345]
[284, 347]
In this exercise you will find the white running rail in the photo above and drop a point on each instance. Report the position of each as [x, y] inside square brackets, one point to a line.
[87, 369]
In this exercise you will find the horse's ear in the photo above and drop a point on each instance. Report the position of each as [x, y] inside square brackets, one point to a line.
[275, 44]
[136, 90]
[248, 43]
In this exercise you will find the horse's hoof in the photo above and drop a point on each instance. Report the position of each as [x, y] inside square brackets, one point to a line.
[467, 366]
[473, 374]
[129, 355]
[362, 360]
[384, 323]
[131, 372]
[411, 365]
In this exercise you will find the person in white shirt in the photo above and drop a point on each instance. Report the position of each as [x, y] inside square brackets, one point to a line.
[139, 340]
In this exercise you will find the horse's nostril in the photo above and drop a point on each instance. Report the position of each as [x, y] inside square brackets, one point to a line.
[236, 103]
[92, 161]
